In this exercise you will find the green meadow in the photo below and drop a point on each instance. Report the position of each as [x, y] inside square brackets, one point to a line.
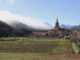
[27, 48]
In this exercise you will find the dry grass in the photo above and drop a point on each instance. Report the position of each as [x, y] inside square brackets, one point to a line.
[37, 56]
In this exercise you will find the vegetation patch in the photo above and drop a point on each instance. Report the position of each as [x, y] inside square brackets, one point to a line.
[63, 47]
[75, 47]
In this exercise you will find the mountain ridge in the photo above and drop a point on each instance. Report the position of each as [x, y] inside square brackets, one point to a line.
[72, 27]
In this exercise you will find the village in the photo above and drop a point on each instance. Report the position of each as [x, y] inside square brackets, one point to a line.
[57, 31]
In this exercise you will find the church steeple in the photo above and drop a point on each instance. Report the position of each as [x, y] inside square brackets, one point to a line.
[57, 24]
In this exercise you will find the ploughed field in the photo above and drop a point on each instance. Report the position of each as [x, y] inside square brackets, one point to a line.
[27, 48]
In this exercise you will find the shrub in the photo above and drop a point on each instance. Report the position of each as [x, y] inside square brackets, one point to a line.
[75, 47]
[67, 37]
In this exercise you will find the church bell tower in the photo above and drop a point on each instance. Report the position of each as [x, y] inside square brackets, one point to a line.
[57, 25]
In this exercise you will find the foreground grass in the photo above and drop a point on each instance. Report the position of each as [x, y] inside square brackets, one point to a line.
[37, 56]
[36, 49]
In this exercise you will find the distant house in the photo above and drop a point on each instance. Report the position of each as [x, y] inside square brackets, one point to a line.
[55, 32]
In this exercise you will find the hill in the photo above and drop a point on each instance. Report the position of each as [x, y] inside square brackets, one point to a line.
[73, 27]
[7, 30]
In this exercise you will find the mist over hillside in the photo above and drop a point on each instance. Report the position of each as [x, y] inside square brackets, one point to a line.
[13, 19]
[16, 25]
[7, 30]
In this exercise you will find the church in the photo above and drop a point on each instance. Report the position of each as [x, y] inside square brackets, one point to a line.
[55, 32]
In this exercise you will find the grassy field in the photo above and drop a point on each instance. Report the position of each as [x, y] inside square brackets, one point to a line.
[36, 49]
[37, 56]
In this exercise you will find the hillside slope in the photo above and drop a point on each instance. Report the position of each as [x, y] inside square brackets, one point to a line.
[5, 29]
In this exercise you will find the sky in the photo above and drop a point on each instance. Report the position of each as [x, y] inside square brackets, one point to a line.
[67, 11]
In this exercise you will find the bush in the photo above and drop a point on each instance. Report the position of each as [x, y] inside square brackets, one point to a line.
[75, 47]
[67, 37]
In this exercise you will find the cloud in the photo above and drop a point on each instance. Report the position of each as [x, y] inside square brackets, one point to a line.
[12, 1]
[9, 18]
